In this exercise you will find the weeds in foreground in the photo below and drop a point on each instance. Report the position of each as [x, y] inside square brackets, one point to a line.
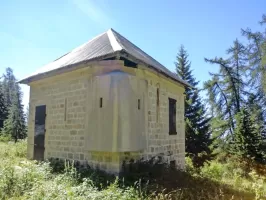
[23, 179]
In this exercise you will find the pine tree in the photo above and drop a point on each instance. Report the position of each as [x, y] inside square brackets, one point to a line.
[247, 141]
[14, 125]
[197, 128]
[3, 108]
[8, 86]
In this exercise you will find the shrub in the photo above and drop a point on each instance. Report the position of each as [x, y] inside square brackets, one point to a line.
[213, 170]
[100, 179]
[150, 179]
[5, 138]
[57, 165]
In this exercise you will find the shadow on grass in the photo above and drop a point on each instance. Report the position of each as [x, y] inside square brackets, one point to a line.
[157, 180]
[177, 184]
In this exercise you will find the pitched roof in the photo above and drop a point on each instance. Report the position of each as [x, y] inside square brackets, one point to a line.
[106, 44]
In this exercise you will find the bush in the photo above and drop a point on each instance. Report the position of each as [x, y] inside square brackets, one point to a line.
[100, 178]
[152, 179]
[213, 170]
[5, 138]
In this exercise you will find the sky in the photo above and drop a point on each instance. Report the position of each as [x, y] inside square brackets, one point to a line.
[34, 33]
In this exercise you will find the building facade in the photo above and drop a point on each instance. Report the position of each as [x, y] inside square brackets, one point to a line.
[106, 110]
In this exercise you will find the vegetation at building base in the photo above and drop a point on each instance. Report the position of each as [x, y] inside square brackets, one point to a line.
[220, 179]
[225, 141]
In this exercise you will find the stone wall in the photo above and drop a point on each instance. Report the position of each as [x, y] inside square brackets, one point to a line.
[171, 147]
[66, 99]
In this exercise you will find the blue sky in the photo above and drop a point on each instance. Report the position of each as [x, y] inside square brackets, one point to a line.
[34, 33]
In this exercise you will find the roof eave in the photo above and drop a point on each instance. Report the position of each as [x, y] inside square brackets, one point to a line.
[125, 53]
[83, 64]
[68, 68]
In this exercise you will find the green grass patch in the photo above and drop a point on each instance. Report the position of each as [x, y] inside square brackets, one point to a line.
[24, 179]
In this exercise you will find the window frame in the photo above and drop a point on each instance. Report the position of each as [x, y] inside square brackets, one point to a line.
[172, 116]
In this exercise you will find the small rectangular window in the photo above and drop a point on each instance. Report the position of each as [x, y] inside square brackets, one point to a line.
[139, 104]
[172, 116]
[101, 102]
[65, 116]
[158, 105]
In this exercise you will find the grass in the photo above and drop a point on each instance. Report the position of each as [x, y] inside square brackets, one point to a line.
[24, 179]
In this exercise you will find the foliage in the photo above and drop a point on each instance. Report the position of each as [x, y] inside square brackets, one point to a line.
[256, 52]
[237, 86]
[5, 138]
[247, 140]
[14, 124]
[197, 128]
[23, 179]
[3, 107]
[8, 87]
[226, 90]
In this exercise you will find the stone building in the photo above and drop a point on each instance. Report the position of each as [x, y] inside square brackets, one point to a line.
[104, 102]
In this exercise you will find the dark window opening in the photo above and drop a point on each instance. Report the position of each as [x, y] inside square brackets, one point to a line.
[65, 116]
[158, 97]
[157, 104]
[101, 102]
[39, 132]
[40, 114]
[128, 63]
[139, 104]
[172, 116]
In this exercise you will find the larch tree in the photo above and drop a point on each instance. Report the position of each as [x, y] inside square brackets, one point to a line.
[197, 127]
[256, 70]
[226, 91]
[256, 54]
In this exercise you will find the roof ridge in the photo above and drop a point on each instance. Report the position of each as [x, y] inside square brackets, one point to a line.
[113, 40]
[142, 52]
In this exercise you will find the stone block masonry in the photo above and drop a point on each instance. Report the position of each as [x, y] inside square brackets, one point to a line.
[170, 147]
[66, 99]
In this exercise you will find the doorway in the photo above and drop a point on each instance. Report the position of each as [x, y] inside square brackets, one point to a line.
[39, 132]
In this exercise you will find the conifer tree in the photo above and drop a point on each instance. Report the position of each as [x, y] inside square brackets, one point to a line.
[3, 108]
[14, 125]
[197, 128]
[8, 86]
[247, 141]
[226, 90]
[256, 54]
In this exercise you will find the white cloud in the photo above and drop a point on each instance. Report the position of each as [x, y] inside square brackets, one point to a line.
[96, 11]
